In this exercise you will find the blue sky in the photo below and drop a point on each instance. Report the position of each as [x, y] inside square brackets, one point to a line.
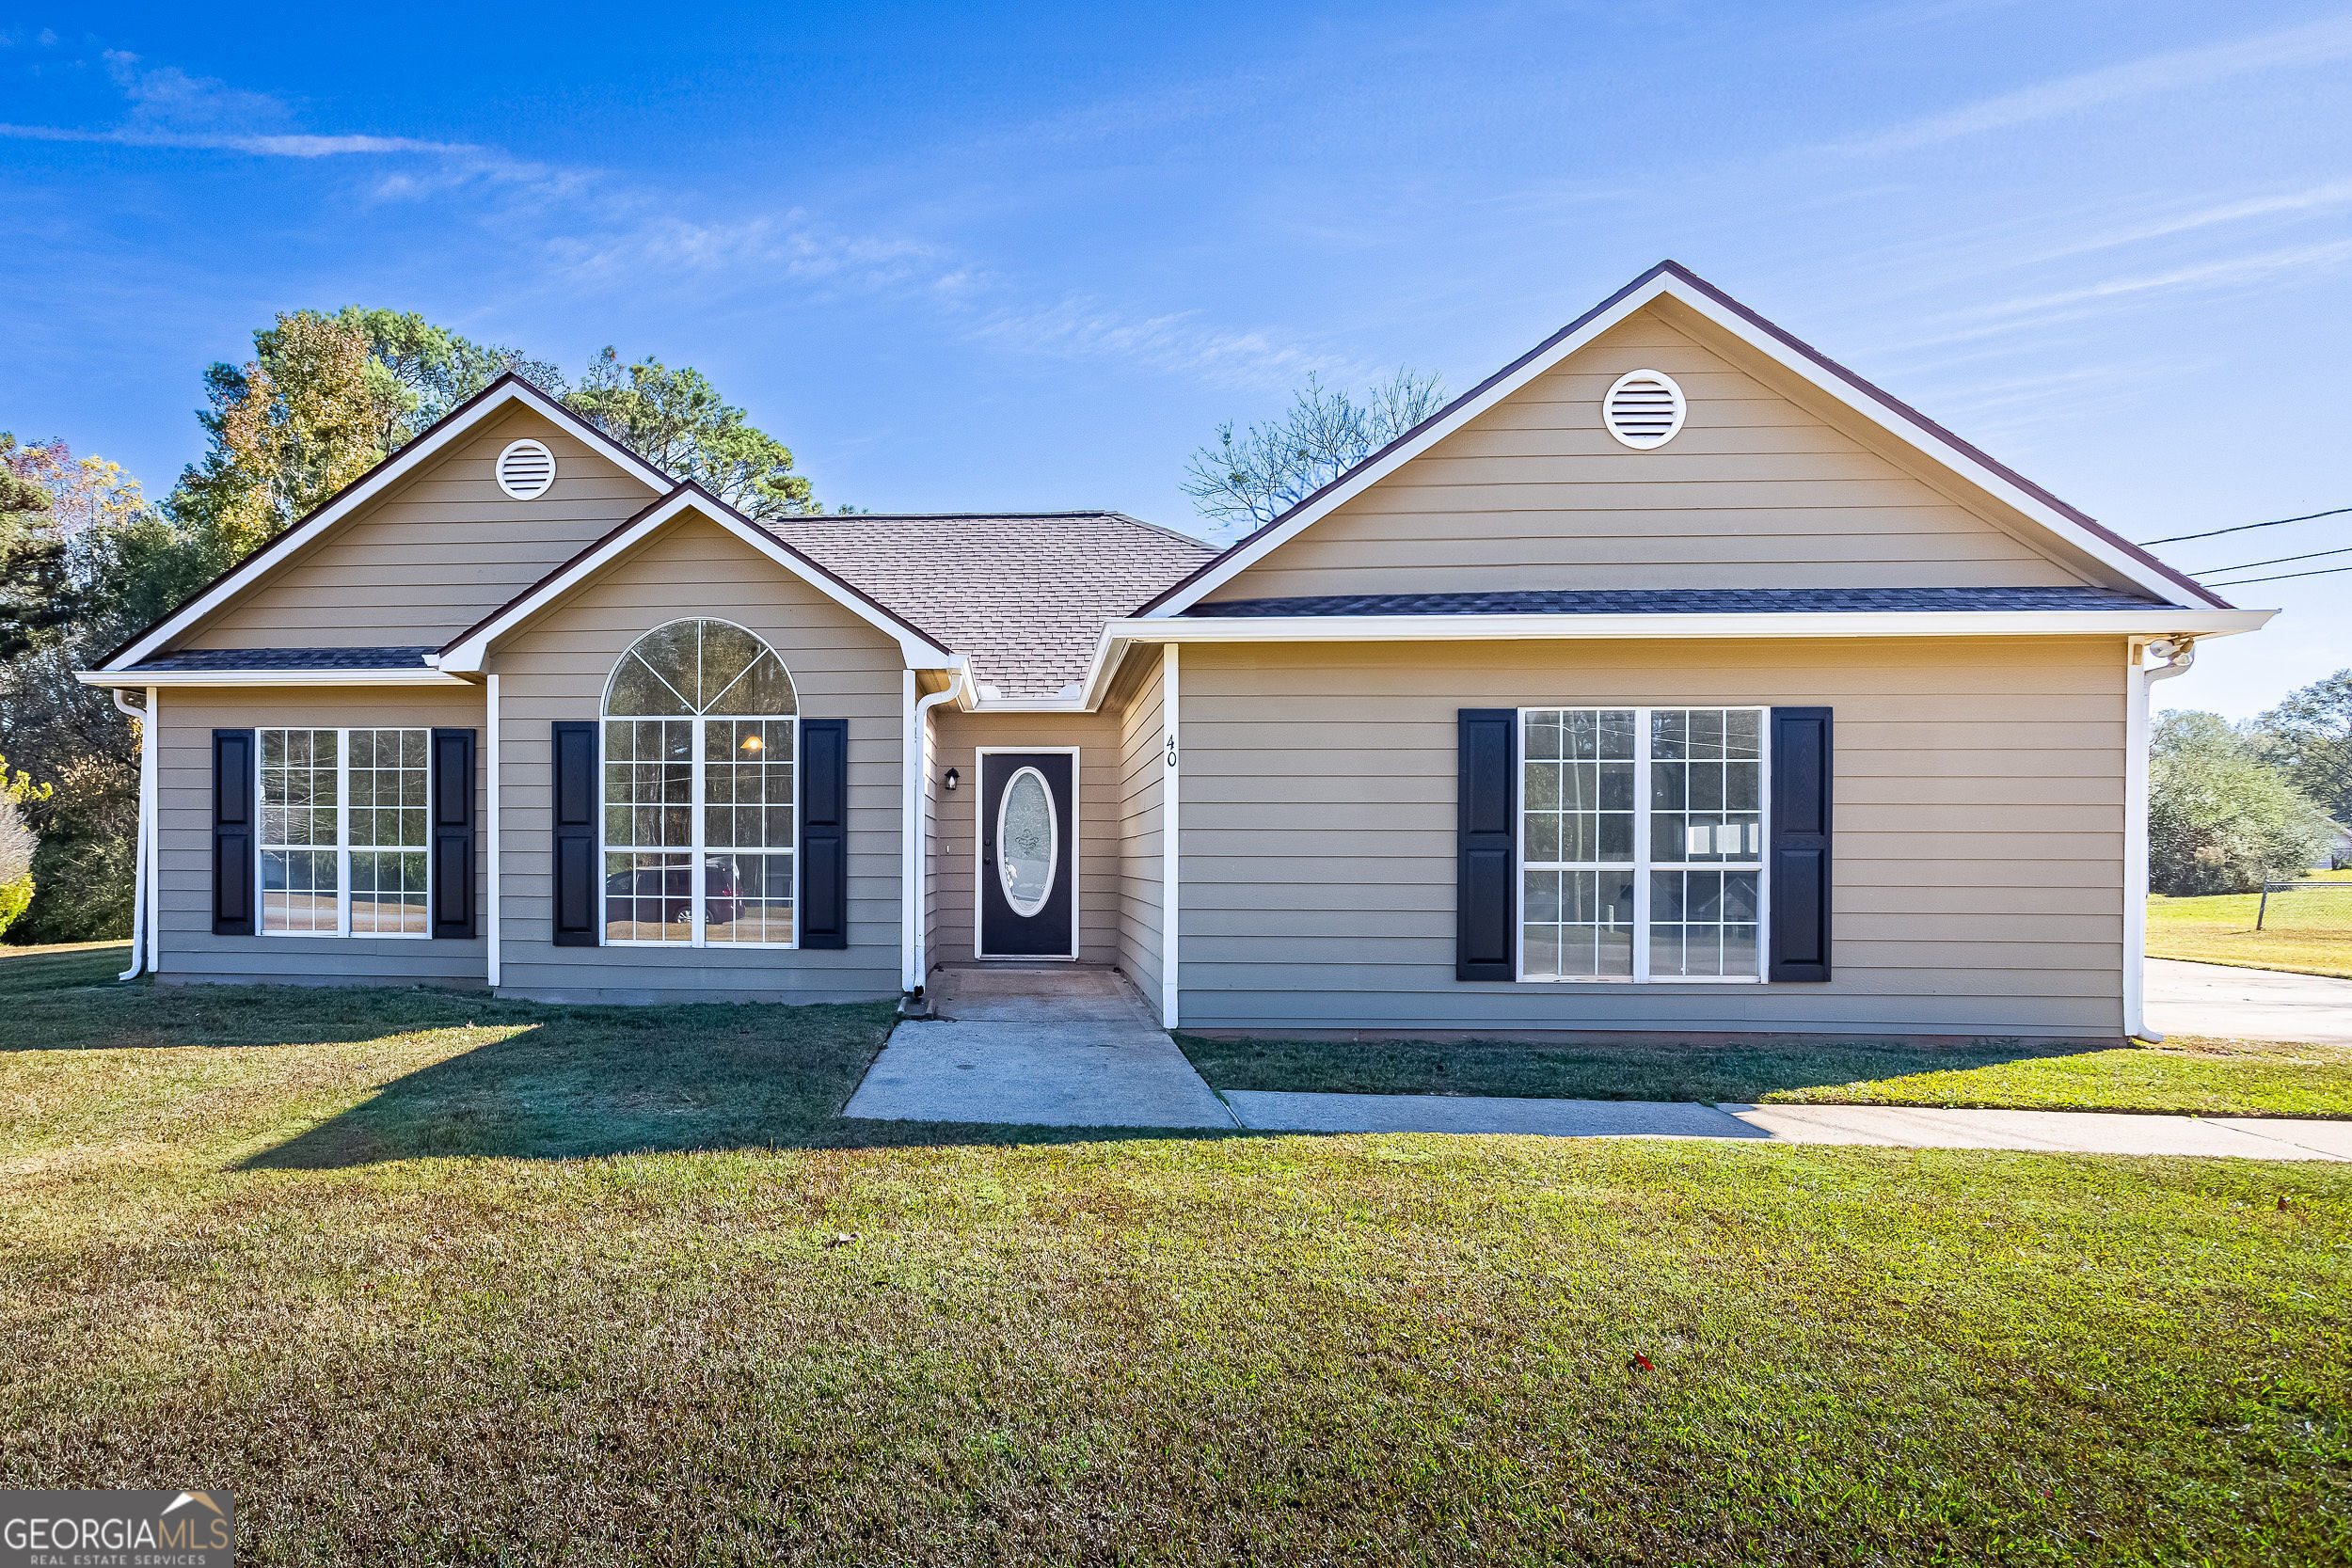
[980, 256]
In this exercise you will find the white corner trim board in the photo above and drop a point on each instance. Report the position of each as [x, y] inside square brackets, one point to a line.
[1171, 861]
[490, 831]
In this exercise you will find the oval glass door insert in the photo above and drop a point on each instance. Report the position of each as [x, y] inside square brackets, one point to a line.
[1028, 843]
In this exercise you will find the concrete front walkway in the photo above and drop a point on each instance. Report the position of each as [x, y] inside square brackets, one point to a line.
[2248, 1003]
[2046, 1131]
[1046, 1046]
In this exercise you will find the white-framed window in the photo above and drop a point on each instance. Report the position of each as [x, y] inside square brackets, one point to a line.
[1642, 837]
[701, 808]
[344, 841]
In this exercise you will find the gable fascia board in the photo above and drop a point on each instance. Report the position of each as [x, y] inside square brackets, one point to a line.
[508, 389]
[2156, 620]
[133, 678]
[466, 653]
[1668, 279]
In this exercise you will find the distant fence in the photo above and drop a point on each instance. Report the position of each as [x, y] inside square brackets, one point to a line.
[2269, 888]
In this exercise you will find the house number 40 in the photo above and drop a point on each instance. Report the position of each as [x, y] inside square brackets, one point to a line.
[1171, 751]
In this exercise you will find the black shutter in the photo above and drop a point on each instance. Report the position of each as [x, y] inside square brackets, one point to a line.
[233, 799]
[576, 882]
[1802, 757]
[451, 789]
[825, 832]
[1485, 911]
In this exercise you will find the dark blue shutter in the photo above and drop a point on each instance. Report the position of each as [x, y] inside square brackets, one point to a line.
[452, 791]
[1802, 758]
[1486, 874]
[825, 832]
[575, 802]
[233, 801]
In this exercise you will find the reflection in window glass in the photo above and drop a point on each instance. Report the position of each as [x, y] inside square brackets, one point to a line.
[388, 836]
[699, 803]
[300, 859]
[1621, 806]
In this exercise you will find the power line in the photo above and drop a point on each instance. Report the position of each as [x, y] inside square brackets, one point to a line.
[2282, 577]
[2279, 561]
[2243, 526]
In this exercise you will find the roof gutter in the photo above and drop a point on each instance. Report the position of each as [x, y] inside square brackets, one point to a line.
[2156, 620]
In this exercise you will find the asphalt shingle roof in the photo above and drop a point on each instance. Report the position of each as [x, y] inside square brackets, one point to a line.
[1682, 601]
[1025, 594]
[210, 660]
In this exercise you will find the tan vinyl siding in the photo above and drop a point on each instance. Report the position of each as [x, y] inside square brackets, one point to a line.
[1100, 807]
[1979, 822]
[1142, 772]
[435, 554]
[555, 667]
[184, 778]
[1756, 491]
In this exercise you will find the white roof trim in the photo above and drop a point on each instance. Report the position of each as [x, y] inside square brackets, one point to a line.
[398, 466]
[134, 678]
[467, 657]
[1665, 284]
[2154, 620]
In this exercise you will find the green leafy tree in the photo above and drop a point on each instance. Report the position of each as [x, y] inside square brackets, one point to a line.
[1249, 478]
[677, 420]
[2309, 738]
[2220, 819]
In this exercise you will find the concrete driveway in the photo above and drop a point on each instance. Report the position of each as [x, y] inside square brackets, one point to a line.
[2248, 1003]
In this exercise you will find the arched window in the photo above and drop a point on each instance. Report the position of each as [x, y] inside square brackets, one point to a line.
[699, 804]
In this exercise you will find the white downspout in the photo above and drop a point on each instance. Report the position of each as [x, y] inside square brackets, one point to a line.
[142, 880]
[916, 750]
[2180, 653]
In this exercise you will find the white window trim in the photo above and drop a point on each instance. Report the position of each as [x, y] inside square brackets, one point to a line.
[980, 868]
[342, 838]
[698, 865]
[1642, 864]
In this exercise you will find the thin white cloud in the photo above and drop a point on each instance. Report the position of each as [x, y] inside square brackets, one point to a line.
[289, 145]
[2050, 309]
[1179, 342]
[2315, 43]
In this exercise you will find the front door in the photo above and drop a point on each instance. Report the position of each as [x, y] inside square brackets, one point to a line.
[1027, 881]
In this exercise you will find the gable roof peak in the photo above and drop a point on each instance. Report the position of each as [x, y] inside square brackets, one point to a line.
[1670, 277]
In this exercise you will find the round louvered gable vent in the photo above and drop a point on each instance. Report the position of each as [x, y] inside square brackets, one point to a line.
[1644, 409]
[526, 470]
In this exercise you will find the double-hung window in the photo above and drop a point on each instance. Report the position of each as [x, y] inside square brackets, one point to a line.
[1642, 844]
[344, 842]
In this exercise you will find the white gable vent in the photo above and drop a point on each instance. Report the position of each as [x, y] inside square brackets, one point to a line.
[526, 470]
[1644, 409]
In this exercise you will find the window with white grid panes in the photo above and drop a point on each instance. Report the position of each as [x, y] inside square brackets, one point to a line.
[343, 844]
[1642, 844]
[700, 804]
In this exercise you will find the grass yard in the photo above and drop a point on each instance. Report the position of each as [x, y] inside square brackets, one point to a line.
[377, 1263]
[2208, 1077]
[2308, 931]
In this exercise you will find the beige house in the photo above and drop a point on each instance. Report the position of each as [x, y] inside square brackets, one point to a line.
[1674, 678]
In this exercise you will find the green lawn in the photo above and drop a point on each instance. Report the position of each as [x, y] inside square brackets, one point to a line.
[359, 1257]
[2249, 1078]
[2308, 931]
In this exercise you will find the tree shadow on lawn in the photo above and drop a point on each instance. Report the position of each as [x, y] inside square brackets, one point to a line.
[600, 1081]
[1664, 1067]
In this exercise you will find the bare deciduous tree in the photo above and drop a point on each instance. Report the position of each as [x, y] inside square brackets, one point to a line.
[1251, 478]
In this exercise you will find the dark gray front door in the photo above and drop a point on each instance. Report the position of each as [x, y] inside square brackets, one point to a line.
[1027, 881]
